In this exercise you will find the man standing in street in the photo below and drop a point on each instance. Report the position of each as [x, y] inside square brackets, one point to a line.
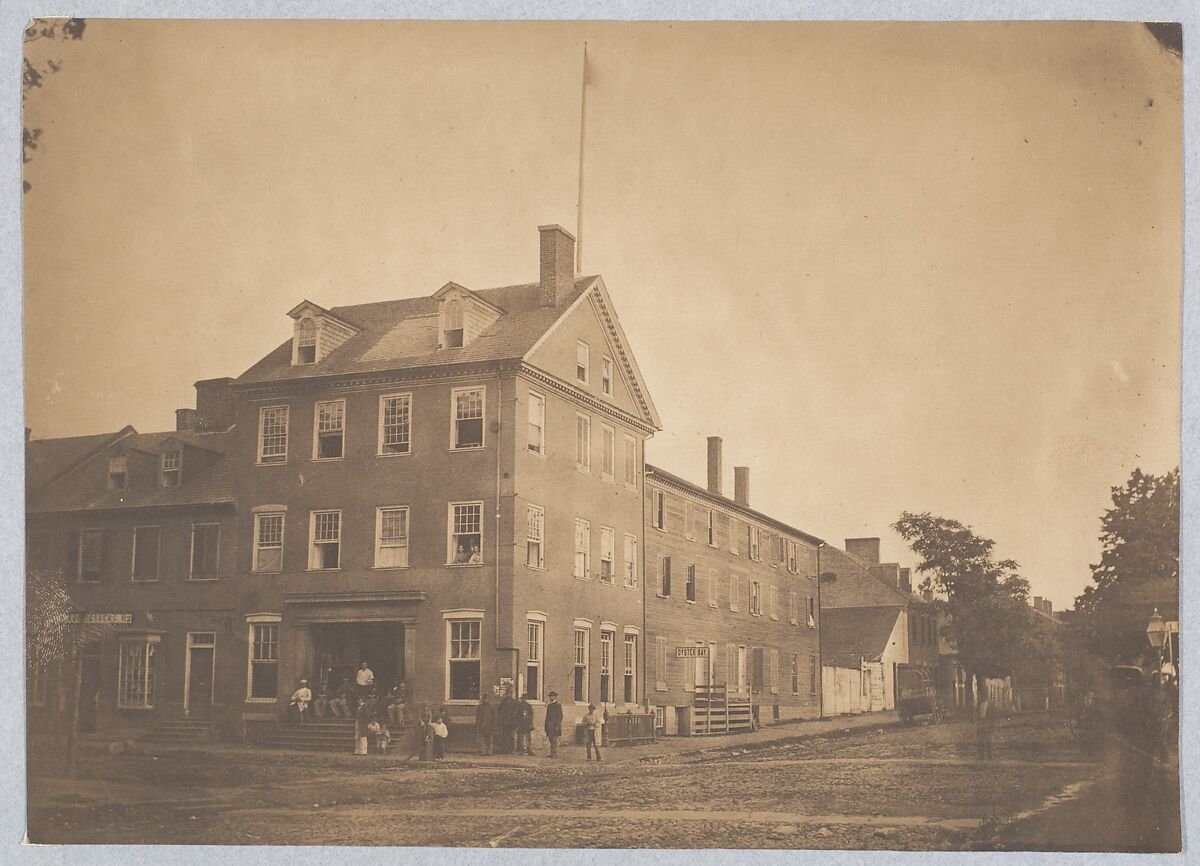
[506, 721]
[553, 726]
[485, 721]
[593, 727]
[524, 726]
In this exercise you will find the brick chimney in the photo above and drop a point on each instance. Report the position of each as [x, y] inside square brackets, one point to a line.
[741, 485]
[214, 404]
[186, 420]
[1048, 607]
[906, 579]
[1037, 604]
[715, 468]
[864, 548]
[557, 264]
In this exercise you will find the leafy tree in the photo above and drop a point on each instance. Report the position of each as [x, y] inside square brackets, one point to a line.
[985, 599]
[50, 621]
[33, 73]
[1138, 569]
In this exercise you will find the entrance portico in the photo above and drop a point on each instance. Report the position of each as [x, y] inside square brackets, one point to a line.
[330, 634]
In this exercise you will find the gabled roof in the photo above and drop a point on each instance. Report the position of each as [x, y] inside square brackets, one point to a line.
[725, 502]
[402, 334]
[453, 286]
[307, 306]
[48, 459]
[851, 634]
[208, 485]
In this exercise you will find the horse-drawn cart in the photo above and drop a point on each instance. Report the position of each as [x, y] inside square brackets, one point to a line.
[916, 695]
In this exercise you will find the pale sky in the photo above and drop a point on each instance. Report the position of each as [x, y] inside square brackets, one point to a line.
[896, 266]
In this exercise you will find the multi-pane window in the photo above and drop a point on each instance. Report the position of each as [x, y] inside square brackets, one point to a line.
[330, 430]
[607, 639]
[325, 551]
[468, 418]
[466, 533]
[690, 586]
[464, 659]
[583, 443]
[533, 660]
[608, 549]
[452, 325]
[306, 341]
[136, 673]
[630, 668]
[582, 361]
[793, 608]
[755, 598]
[606, 376]
[712, 528]
[812, 612]
[171, 468]
[631, 561]
[391, 537]
[664, 576]
[264, 660]
[755, 539]
[734, 593]
[659, 503]
[145, 552]
[537, 423]
[268, 541]
[395, 424]
[118, 472]
[774, 601]
[583, 549]
[795, 673]
[580, 673]
[630, 461]
[206, 540]
[272, 434]
[535, 529]
[608, 464]
[793, 561]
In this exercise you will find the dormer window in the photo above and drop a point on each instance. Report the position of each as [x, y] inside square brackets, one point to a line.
[452, 326]
[306, 341]
[171, 468]
[118, 473]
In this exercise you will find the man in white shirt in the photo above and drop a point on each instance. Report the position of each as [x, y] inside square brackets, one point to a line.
[300, 700]
[365, 679]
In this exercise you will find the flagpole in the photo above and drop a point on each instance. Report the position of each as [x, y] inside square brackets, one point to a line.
[579, 198]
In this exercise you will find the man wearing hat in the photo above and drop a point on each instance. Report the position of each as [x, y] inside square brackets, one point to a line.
[593, 724]
[553, 726]
[300, 700]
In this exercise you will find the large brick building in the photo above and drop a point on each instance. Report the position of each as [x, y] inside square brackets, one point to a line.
[736, 582]
[446, 487]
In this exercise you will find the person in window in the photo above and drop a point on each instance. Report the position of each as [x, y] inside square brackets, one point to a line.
[593, 726]
[476, 557]
[553, 725]
[461, 555]
[524, 727]
[300, 701]
[485, 721]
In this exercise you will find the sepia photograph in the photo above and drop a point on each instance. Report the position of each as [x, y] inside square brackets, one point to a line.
[574, 434]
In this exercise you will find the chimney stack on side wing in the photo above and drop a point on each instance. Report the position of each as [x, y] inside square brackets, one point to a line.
[715, 468]
[741, 485]
[864, 548]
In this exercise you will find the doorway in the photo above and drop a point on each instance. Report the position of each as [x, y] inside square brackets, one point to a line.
[89, 687]
[199, 670]
[341, 646]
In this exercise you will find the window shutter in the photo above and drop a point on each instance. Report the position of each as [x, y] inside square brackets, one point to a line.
[660, 664]
[731, 667]
[774, 672]
[757, 669]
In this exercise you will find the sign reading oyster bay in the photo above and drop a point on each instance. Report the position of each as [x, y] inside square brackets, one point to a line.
[691, 652]
[102, 618]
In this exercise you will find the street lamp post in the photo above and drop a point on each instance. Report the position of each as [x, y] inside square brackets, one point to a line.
[1156, 633]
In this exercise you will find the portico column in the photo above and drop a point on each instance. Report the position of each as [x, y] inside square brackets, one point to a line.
[410, 658]
[302, 654]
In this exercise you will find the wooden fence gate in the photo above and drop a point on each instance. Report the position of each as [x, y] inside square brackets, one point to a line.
[714, 712]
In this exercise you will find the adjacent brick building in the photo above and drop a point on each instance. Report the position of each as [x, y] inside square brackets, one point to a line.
[737, 582]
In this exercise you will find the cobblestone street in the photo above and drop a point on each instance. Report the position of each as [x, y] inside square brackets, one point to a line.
[837, 785]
